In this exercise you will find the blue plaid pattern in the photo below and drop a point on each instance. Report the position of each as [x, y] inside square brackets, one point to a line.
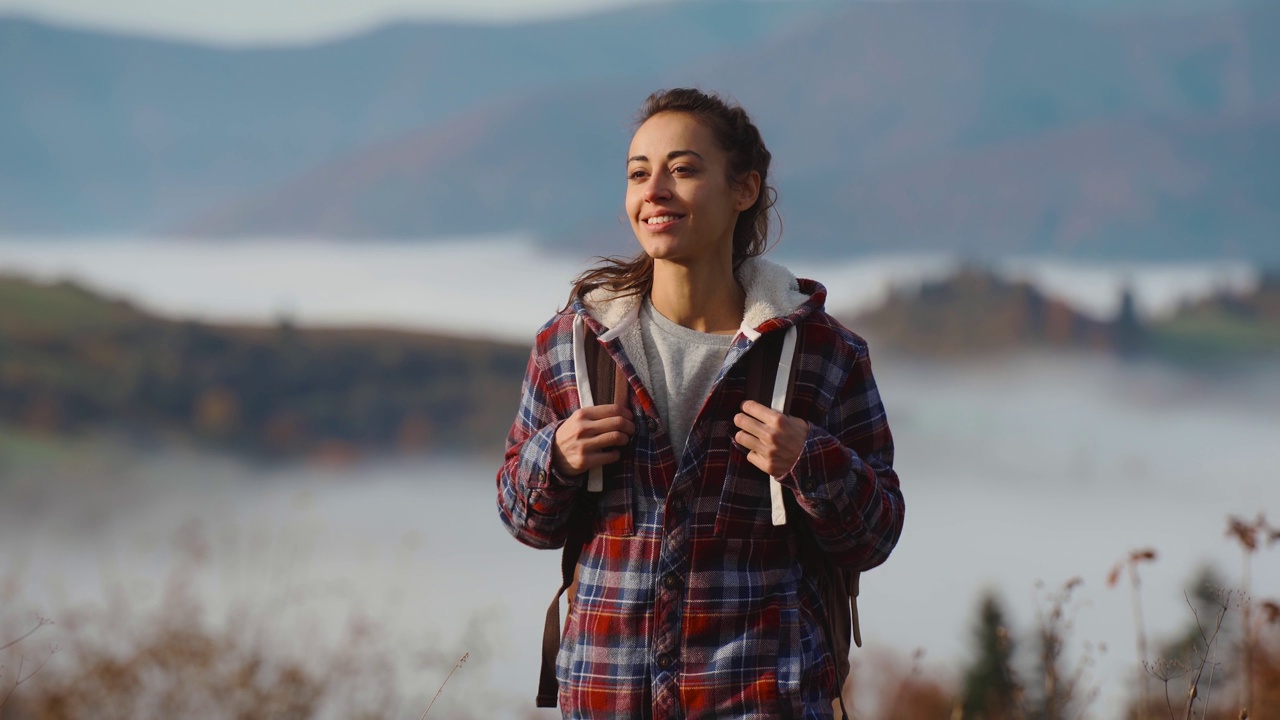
[690, 602]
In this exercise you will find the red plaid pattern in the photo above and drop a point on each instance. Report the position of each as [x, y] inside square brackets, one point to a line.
[690, 602]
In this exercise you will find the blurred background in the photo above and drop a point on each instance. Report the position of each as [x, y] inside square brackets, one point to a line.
[269, 274]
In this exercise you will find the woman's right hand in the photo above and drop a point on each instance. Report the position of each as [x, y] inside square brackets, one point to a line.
[590, 438]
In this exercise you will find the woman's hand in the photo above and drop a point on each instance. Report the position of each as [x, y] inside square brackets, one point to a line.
[590, 438]
[773, 440]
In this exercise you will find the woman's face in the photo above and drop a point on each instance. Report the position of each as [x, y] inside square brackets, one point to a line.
[679, 198]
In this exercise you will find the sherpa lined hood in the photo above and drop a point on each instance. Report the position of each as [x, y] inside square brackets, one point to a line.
[772, 292]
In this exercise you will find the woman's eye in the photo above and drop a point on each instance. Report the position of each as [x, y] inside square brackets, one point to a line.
[635, 174]
[683, 170]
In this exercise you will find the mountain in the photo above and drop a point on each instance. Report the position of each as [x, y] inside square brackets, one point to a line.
[975, 312]
[109, 133]
[982, 128]
[75, 361]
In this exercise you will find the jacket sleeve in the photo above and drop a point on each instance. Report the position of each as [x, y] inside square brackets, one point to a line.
[534, 502]
[844, 479]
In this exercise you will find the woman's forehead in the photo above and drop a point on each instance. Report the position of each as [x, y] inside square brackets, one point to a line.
[669, 132]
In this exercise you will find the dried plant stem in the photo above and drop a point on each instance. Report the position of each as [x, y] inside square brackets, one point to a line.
[1140, 636]
[40, 622]
[1204, 655]
[1208, 693]
[1247, 644]
[456, 665]
[1167, 702]
[1251, 536]
[19, 679]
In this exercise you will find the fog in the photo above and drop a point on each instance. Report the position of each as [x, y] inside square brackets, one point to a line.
[507, 284]
[1038, 469]
[1031, 469]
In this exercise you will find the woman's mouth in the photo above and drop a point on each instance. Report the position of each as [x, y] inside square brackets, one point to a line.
[659, 222]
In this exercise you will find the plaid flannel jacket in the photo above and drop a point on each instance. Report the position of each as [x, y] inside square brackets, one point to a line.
[690, 602]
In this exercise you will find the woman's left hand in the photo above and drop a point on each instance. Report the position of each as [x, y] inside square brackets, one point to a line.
[774, 441]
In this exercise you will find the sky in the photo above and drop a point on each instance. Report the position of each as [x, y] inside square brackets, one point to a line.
[269, 21]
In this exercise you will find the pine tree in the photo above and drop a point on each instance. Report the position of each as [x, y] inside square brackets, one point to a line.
[989, 687]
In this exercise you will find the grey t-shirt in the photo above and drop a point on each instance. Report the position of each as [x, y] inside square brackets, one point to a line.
[683, 363]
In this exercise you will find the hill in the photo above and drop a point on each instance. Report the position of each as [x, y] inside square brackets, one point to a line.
[976, 313]
[981, 128]
[74, 361]
[1226, 326]
[110, 133]
[1135, 130]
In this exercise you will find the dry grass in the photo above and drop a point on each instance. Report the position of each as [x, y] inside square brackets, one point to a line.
[117, 662]
[1215, 678]
[114, 664]
[174, 665]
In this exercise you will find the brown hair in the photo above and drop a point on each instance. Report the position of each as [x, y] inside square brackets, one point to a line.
[741, 140]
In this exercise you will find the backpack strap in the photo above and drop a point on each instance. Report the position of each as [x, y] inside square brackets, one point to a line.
[839, 586]
[769, 382]
[597, 376]
[579, 528]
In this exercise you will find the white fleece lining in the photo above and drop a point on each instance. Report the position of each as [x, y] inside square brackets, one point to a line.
[780, 382]
[771, 292]
[771, 289]
[595, 477]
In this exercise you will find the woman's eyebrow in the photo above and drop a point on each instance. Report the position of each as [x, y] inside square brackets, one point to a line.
[670, 156]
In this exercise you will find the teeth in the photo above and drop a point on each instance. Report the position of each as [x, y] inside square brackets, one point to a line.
[660, 219]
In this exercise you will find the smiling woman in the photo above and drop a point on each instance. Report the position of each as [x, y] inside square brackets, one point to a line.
[703, 529]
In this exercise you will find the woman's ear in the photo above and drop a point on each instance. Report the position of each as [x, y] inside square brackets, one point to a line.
[747, 191]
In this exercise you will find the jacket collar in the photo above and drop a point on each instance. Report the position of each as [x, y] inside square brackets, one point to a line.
[775, 298]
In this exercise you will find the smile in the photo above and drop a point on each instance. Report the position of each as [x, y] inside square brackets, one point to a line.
[662, 219]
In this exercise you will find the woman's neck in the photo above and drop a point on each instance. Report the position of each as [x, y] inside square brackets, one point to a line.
[702, 297]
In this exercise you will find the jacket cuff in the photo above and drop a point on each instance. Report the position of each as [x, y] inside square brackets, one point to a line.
[821, 471]
[544, 477]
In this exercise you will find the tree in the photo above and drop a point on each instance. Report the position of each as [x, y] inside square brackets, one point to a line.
[990, 690]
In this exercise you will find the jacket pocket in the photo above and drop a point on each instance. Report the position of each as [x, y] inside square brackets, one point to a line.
[744, 510]
[615, 507]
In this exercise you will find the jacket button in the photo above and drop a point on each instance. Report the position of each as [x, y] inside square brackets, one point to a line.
[678, 505]
[651, 424]
[542, 476]
[808, 485]
[670, 581]
[665, 662]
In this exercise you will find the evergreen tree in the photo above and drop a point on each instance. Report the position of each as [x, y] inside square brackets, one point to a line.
[989, 688]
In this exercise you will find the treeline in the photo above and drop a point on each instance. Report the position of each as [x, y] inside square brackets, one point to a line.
[72, 360]
[1222, 664]
[976, 312]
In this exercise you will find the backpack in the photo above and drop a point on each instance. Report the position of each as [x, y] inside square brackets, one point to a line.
[599, 377]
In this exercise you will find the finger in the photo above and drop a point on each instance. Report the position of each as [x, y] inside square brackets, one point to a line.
[616, 423]
[606, 440]
[751, 425]
[759, 461]
[761, 412]
[600, 412]
[594, 430]
[749, 441]
[600, 459]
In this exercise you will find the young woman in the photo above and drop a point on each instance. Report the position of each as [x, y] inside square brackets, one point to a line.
[692, 600]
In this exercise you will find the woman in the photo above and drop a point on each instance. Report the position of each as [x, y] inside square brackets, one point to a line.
[692, 601]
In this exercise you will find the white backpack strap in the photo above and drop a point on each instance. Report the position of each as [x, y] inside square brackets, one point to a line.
[595, 477]
[780, 383]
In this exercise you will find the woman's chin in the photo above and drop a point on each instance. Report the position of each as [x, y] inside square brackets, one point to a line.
[660, 247]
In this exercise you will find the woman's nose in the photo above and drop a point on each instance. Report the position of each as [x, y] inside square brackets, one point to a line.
[658, 188]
